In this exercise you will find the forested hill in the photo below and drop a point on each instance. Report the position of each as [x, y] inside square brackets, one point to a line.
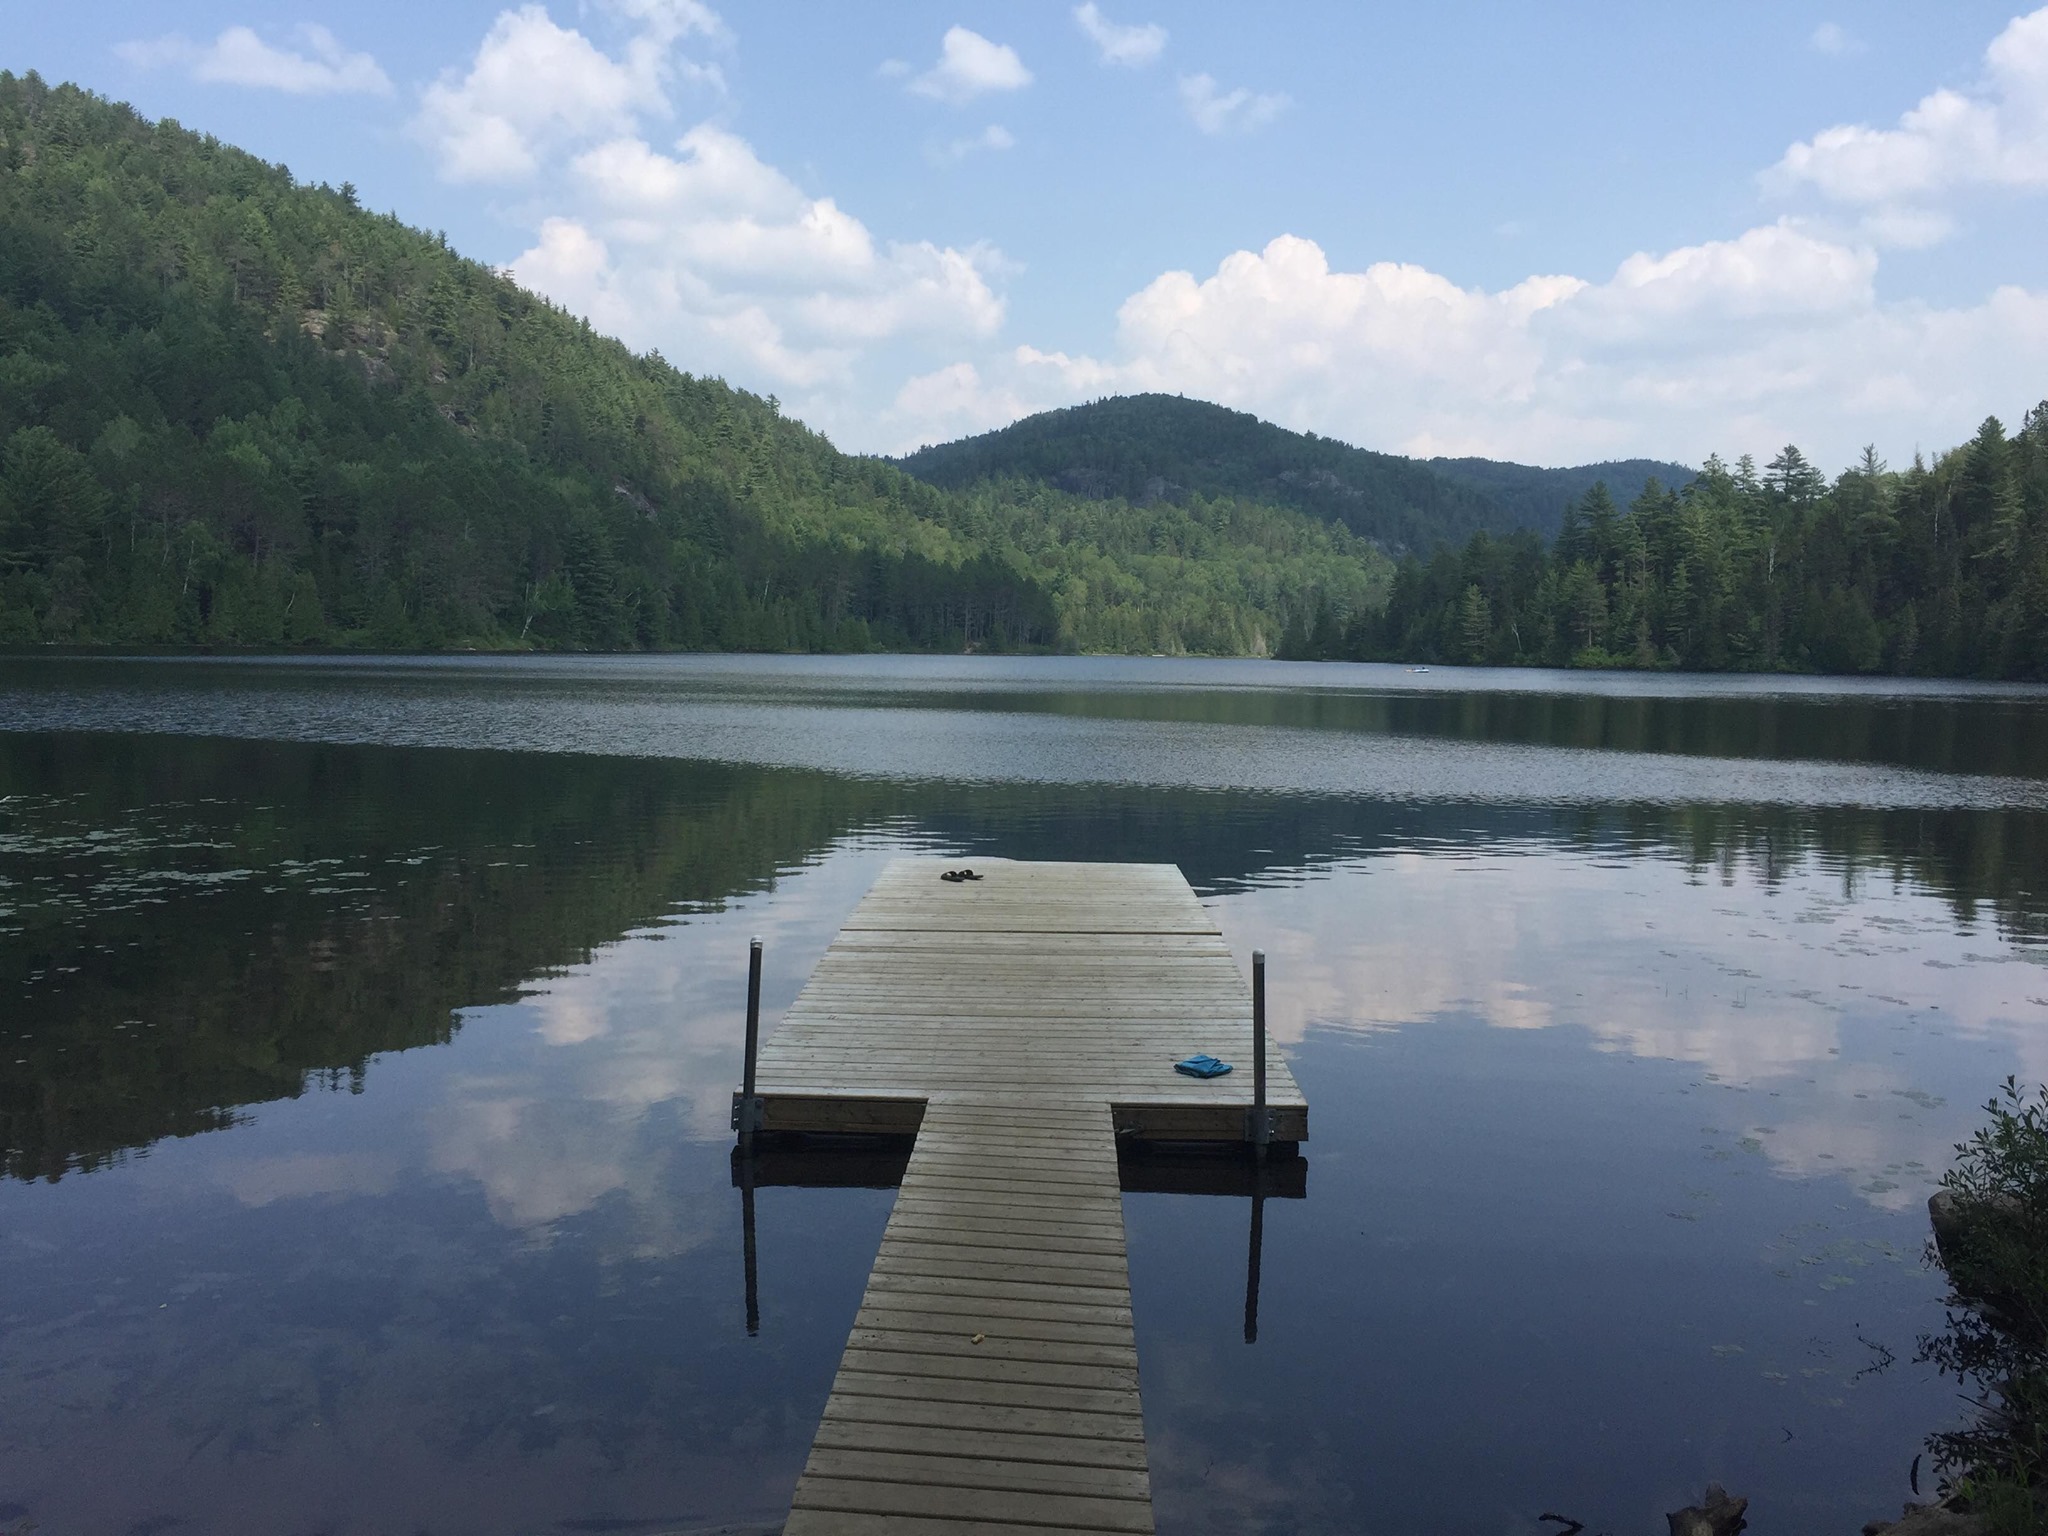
[236, 410]
[1156, 449]
[1539, 499]
[1936, 570]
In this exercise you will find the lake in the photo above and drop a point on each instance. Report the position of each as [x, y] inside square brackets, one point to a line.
[370, 1025]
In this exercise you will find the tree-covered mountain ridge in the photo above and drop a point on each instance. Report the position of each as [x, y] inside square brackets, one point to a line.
[240, 411]
[1156, 449]
[1935, 570]
[236, 410]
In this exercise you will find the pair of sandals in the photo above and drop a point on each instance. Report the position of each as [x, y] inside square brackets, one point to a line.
[955, 876]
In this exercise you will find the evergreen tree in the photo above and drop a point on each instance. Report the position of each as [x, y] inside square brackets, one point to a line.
[1882, 570]
[236, 410]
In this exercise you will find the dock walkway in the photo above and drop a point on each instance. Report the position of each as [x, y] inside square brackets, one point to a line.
[1018, 1025]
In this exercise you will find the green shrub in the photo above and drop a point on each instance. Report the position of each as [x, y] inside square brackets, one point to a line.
[1993, 1244]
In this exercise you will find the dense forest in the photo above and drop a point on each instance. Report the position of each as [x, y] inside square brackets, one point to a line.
[1150, 450]
[1540, 498]
[238, 411]
[1938, 569]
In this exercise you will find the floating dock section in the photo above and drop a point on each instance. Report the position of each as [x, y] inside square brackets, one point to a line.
[1018, 1025]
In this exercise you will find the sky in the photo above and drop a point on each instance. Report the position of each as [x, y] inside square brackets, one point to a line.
[1555, 234]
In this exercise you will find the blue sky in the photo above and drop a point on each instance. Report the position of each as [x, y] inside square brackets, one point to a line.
[1551, 233]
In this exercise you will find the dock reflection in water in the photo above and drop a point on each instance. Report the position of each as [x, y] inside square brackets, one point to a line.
[877, 1162]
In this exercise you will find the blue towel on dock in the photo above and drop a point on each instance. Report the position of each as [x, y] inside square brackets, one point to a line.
[1202, 1066]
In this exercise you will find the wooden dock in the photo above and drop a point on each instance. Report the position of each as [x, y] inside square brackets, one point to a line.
[1018, 1025]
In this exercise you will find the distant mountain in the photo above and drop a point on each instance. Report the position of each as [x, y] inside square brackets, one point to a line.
[1148, 449]
[237, 410]
[1536, 498]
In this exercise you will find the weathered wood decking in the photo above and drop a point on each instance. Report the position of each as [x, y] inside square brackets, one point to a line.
[1018, 1024]
[1082, 983]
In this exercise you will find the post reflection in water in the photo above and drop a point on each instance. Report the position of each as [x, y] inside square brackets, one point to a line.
[1251, 1267]
[743, 1171]
[808, 1162]
[1278, 1171]
[369, 1105]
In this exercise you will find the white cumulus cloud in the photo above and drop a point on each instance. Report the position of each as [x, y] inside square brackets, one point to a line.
[1994, 134]
[970, 66]
[1776, 272]
[717, 257]
[535, 85]
[687, 239]
[691, 242]
[1126, 44]
[670, 21]
[954, 402]
[1217, 111]
[320, 66]
[1780, 333]
[1727, 346]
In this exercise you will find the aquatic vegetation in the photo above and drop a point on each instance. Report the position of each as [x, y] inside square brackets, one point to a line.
[1991, 1236]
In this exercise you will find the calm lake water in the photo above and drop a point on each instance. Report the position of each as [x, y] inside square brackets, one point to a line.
[367, 1030]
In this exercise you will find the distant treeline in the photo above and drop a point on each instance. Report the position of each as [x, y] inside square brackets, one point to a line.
[238, 411]
[1939, 570]
[1154, 450]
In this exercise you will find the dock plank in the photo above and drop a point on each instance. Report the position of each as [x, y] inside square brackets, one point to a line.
[953, 1341]
[1016, 1025]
